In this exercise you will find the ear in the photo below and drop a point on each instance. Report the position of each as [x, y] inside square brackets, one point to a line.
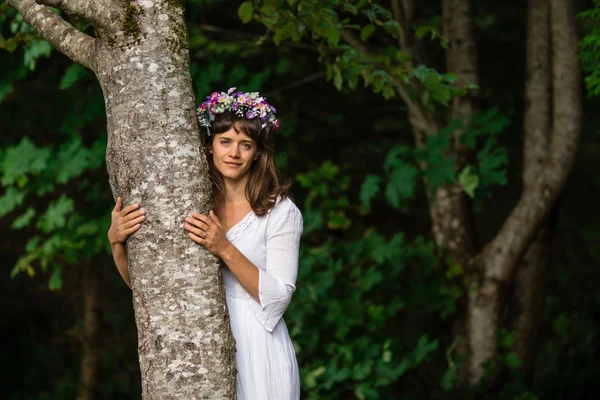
[209, 148]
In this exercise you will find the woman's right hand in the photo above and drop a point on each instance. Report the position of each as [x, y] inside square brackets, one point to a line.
[124, 222]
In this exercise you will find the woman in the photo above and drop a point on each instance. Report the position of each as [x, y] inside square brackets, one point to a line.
[254, 229]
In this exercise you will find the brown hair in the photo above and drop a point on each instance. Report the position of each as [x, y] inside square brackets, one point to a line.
[265, 183]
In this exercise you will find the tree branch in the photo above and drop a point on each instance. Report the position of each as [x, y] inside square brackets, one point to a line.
[73, 43]
[404, 14]
[102, 14]
[295, 84]
[537, 92]
[418, 117]
[534, 206]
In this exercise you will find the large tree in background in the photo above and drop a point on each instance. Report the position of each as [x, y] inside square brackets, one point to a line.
[154, 157]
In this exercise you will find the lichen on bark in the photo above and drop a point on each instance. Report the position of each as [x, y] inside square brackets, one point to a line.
[129, 23]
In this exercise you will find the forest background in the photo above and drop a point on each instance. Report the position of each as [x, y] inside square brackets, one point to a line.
[372, 317]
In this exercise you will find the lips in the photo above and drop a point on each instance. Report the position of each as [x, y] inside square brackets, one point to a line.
[232, 165]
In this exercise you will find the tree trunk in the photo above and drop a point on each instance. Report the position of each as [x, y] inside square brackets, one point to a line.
[501, 256]
[527, 303]
[90, 357]
[154, 157]
[452, 212]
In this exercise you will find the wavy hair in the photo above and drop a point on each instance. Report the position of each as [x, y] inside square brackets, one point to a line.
[265, 183]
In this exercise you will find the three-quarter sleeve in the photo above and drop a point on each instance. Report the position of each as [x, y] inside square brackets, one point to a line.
[277, 282]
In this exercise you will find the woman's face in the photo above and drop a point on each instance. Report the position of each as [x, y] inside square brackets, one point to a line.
[233, 154]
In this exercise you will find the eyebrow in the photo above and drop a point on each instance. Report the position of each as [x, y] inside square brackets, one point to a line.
[241, 141]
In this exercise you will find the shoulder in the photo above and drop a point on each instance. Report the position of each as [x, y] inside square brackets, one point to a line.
[285, 212]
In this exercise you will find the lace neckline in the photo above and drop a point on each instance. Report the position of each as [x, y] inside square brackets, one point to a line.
[236, 230]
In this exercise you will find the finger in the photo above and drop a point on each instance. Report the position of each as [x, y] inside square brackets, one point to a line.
[196, 238]
[136, 221]
[194, 230]
[130, 208]
[132, 229]
[118, 204]
[199, 220]
[134, 215]
[214, 218]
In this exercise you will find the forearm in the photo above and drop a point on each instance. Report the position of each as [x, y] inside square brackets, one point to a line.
[244, 271]
[120, 256]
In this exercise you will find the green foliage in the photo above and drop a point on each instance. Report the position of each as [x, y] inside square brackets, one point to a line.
[590, 47]
[28, 172]
[72, 74]
[246, 11]
[340, 296]
[401, 171]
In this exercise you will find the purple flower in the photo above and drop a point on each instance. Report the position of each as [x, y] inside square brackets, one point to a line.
[230, 90]
[234, 106]
[250, 114]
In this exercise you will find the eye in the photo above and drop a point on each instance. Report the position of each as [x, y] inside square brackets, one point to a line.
[246, 146]
[224, 141]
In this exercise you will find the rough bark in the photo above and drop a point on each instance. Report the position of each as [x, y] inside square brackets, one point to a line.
[528, 292]
[154, 157]
[90, 352]
[451, 210]
[501, 256]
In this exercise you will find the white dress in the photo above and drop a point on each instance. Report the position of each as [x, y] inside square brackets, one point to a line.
[265, 358]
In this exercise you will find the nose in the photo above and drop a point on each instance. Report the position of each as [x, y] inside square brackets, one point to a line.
[235, 152]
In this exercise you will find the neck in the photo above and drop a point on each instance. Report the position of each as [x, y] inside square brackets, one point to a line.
[234, 191]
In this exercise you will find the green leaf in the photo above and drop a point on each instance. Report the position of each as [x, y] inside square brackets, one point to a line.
[55, 283]
[24, 219]
[72, 74]
[401, 185]
[56, 215]
[332, 34]
[369, 189]
[246, 11]
[37, 49]
[350, 8]
[21, 160]
[469, 180]
[12, 198]
[337, 78]
[449, 379]
[366, 32]
[268, 10]
[72, 160]
[283, 65]
[422, 31]
[5, 90]
[362, 370]
[512, 360]
[424, 347]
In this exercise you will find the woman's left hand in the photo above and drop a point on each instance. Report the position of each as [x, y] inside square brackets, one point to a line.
[207, 231]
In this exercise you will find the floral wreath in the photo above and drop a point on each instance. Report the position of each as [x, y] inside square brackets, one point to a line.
[245, 105]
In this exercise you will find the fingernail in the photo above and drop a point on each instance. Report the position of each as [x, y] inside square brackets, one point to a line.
[143, 211]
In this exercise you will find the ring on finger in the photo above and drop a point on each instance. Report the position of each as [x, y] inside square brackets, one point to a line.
[204, 236]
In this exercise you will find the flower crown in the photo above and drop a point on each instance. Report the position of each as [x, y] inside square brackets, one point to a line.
[245, 105]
